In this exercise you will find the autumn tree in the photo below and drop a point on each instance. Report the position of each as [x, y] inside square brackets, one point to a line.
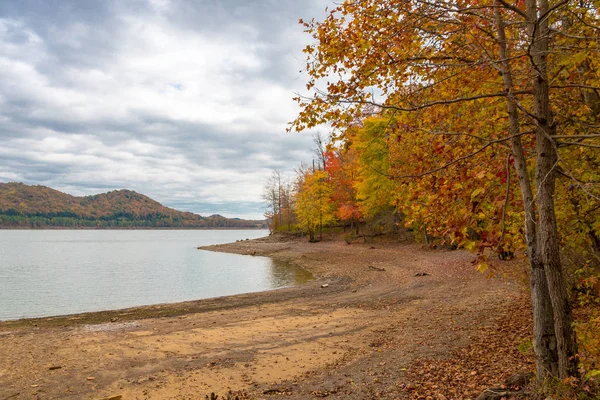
[340, 167]
[475, 91]
[313, 203]
[358, 166]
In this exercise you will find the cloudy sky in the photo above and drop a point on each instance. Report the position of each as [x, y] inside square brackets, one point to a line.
[186, 101]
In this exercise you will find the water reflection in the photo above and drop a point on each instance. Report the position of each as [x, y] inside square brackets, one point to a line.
[287, 274]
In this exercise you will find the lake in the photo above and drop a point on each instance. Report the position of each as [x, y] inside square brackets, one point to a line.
[59, 272]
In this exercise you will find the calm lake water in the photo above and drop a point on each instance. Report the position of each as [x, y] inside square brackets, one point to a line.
[58, 272]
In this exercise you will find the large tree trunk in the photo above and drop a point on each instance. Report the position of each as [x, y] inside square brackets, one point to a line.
[544, 339]
[545, 178]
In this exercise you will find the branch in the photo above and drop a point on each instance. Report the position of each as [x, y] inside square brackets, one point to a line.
[483, 139]
[580, 184]
[575, 86]
[564, 144]
[561, 172]
[513, 8]
[559, 32]
[590, 136]
[551, 9]
[582, 21]
[444, 133]
[462, 158]
[503, 220]
[434, 103]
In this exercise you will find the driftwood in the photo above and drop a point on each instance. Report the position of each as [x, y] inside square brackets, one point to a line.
[512, 387]
[283, 390]
[498, 394]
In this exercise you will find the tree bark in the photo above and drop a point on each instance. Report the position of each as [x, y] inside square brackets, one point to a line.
[544, 339]
[548, 248]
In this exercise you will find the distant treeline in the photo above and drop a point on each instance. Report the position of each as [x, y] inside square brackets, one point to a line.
[9, 220]
[23, 206]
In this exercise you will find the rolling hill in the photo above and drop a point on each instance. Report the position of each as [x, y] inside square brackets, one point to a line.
[24, 206]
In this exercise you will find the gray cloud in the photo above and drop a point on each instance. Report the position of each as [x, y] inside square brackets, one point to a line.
[185, 101]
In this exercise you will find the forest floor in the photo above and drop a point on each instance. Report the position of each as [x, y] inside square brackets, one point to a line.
[381, 321]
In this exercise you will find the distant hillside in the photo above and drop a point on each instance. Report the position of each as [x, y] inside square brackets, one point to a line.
[24, 206]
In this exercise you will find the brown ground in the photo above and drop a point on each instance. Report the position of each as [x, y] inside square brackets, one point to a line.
[370, 334]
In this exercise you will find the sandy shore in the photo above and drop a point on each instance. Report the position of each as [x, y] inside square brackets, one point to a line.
[387, 321]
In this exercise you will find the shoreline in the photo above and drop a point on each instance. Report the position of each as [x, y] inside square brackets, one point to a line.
[164, 310]
[364, 335]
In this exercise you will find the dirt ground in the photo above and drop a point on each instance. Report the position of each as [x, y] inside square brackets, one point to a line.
[393, 321]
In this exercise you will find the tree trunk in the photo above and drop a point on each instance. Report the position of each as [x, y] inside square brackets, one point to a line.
[545, 179]
[544, 339]
[549, 254]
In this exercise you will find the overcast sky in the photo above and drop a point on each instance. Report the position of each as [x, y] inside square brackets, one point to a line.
[186, 101]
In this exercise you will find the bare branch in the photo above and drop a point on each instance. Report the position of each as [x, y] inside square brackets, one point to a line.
[506, 196]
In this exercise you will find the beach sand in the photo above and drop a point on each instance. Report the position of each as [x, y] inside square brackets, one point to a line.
[374, 323]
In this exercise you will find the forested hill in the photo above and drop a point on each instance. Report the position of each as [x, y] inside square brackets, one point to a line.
[24, 206]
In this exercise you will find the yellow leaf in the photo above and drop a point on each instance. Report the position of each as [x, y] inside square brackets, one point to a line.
[482, 267]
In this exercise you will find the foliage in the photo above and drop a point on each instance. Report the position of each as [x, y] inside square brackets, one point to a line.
[374, 186]
[587, 289]
[339, 168]
[313, 202]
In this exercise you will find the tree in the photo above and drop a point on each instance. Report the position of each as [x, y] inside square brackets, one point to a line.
[277, 194]
[340, 167]
[364, 150]
[272, 196]
[476, 89]
[313, 203]
[319, 150]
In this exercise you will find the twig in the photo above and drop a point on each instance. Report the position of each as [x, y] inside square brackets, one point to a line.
[503, 221]
[590, 136]
[431, 104]
[563, 144]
